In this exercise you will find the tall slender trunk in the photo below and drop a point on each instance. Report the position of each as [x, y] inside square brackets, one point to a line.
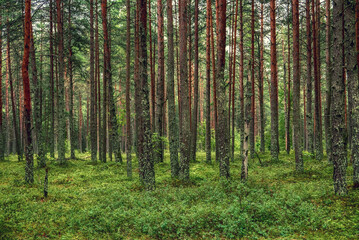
[241, 73]
[261, 83]
[353, 85]
[144, 129]
[309, 111]
[185, 136]
[327, 122]
[52, 87]
[234, 75]
[97, 82]
[339, 154]
[2, 135]
[29, 168]
[128, 91]
[152, 71]
[296, 90]
[158, 153]
[215, 112]
[208, 83]
[223, 130]
[355, 140]
[195, 91]
[61, 87]
[172, 113]
[251, 129]
[93, 116]
[287, 131]
[71, 112]
[274, 84]
[317, 124]
[105, 81]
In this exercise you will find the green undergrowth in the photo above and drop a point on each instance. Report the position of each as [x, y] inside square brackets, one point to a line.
[98, 201]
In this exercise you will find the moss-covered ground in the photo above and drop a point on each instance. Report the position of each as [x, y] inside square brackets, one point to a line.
[97, 201]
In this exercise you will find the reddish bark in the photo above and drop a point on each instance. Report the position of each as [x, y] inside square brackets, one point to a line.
[29, 175]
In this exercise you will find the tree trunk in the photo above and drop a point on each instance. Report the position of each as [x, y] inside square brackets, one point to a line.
[144, 129]
[241, 73]
[97, 82]
[152, 66]
[309, 112]
[353, 85]
[185, 136]
[317, 125]
[261, 84]
[52, 87]
[247, 122]
[251, 129]
[61, 87]
[274, 85]
[158, 153]
[29, 168]
[339, 154]
[355, 139]
[223, 130]
[234, 76]
[93, 116]
[208, 83]
[2, 135]
[71, 112]
[172, 113]
[128, 91]
[287, 131]
[195, 91]
[296, 90]
[327, 118]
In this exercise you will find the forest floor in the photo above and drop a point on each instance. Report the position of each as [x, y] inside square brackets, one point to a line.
[97, 201]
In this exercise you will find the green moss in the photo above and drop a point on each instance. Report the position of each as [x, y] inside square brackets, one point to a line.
[98, 201]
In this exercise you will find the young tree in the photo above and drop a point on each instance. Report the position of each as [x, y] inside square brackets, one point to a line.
[339, 154]
[274, 85]
[172, 113]
[185, 136]
[29, 168]
[223, 130]
[296, 89]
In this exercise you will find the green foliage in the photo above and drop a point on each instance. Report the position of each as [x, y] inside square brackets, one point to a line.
[97, 201]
